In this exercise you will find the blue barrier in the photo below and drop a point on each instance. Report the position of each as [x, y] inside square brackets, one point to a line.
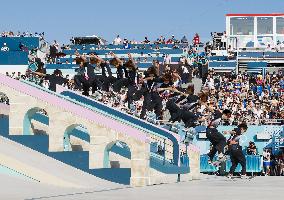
[218, 58]
[204, 166]
[253, 164]
[13, 58]
[256, 65]
[13, 42]
[222, 64]
[261, 54]
[251, 54]
[274, 54]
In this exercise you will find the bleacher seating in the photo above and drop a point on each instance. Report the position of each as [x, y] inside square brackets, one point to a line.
[263, 54]
[218, 58]
[222, 65]
[256, 67]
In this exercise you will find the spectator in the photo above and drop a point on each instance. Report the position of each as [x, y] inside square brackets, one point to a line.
[117, 40]
[146, 41]
[266, 162]
[251, 149]
[184, 40]
[196, 39]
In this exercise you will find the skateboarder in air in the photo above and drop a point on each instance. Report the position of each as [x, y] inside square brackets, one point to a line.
[235, 150]
[216, 138]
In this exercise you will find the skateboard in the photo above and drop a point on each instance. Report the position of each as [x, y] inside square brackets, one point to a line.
[235, 178]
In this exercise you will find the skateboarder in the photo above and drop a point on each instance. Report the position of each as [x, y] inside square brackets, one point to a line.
[235, 150]
[217, 140]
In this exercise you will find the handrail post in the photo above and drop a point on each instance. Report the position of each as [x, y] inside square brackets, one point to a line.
[164, 160]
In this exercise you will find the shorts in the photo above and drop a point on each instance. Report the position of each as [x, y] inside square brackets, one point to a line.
[266, 164]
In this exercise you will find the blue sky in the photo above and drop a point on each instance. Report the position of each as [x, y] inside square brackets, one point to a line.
[62, 19]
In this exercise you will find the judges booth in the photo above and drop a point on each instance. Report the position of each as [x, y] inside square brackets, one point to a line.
[254, 30]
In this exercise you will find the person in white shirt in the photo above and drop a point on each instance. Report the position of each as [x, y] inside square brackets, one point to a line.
[167, 59]
[5, 47]
[117, 40]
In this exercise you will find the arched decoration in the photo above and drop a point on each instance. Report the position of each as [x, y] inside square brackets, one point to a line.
[78, 131]
[37, 114]
[117, 147]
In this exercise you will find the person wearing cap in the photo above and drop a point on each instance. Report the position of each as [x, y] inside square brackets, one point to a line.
[5, 47]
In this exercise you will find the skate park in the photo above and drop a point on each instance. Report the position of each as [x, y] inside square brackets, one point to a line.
[130, 100]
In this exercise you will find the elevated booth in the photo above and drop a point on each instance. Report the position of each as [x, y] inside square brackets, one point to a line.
[87, 40]
[254, 30]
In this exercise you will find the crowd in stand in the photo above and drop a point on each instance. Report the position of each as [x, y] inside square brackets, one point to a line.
[160, 40]
[255, 99]
[21, 34]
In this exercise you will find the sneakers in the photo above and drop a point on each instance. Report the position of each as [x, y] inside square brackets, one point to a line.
[229, 176]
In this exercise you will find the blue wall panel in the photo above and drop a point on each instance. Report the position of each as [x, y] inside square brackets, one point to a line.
[13, 58]
[13, 42]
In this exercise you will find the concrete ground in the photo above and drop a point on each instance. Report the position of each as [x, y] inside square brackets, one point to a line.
[209, 187]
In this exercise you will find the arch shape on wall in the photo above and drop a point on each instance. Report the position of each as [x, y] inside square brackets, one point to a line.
[37, 114]
[78, 131]
[118, 147]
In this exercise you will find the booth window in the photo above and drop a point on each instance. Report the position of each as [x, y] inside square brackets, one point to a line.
[280, 25]
[264, 25]
[242, 26]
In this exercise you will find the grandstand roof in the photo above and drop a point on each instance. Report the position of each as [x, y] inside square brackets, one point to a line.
[255, 15]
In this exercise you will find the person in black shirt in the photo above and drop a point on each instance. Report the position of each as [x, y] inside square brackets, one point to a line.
[130, 81]
[152, 100]
[55, 78]
[235, 150]
[217, 139]
[81, 79]
[130, 75]
[188, 100]
[177, 114]
[102, 81]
